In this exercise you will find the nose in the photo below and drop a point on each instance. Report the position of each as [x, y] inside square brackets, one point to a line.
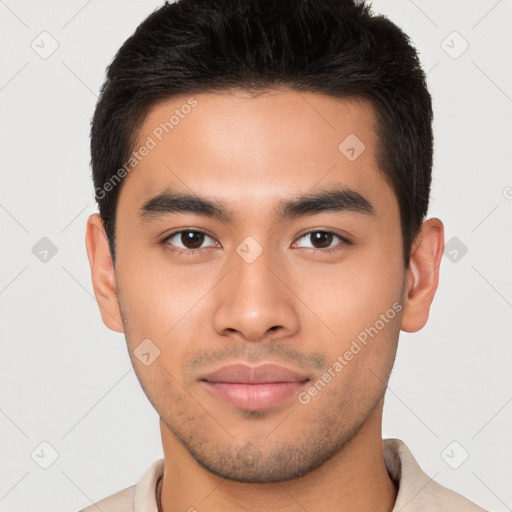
[256, 299]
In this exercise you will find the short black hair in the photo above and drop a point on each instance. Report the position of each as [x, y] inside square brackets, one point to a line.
[339, 48]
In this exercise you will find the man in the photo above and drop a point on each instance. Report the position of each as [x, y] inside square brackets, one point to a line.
[262, 170]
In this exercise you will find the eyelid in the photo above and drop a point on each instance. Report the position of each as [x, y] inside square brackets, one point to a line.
[186, 251]
[344, 240]
[344, 236]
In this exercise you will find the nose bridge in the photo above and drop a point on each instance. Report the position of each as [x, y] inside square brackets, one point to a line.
[253, 300]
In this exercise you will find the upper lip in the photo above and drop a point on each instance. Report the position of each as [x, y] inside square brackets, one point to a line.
[264, 373]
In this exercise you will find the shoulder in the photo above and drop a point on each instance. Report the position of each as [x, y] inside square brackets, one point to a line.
[417, 492]
[121, 501]
[136, 498]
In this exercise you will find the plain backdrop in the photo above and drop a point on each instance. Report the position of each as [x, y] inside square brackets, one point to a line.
[67, 381]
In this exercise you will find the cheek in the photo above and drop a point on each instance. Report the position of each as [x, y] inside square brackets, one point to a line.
[357, 370]
[343, 300]
[355, 316]
[167, 308]
[159, 298]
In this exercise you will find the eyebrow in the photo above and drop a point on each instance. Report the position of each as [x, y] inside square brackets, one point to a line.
[331, 199]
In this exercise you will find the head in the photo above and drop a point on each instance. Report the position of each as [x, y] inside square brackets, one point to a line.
[293, 141]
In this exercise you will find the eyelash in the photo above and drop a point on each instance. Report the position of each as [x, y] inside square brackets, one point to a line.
[193, 252]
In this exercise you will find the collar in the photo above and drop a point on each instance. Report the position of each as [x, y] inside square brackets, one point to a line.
[417, 492]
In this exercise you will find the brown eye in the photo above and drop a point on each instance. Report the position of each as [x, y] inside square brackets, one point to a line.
[322, 240]
[192, 239]
[187, 239]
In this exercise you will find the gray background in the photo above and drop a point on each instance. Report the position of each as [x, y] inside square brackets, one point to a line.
[67, 380]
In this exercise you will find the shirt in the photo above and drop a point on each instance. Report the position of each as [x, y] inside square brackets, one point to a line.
[417, 492]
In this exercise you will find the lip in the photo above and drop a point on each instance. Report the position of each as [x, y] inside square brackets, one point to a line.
[254, 387]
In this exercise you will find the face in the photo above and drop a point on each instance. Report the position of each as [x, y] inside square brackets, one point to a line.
[255, 267]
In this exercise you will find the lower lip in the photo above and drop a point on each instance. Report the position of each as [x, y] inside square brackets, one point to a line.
[254, 396]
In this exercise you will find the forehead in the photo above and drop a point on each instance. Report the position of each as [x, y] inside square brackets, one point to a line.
[254, 148]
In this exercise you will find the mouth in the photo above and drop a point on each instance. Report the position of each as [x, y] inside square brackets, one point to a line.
[254, 388]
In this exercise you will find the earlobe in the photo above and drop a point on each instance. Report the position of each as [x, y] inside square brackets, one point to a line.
[102, 273]
[422, 276]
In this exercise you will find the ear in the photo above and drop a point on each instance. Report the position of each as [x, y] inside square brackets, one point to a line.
[422, 275]
[103, 275]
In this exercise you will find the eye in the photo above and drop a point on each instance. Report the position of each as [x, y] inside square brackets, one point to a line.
[187, 241]
[322, 240]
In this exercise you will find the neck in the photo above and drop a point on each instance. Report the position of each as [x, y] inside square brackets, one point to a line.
[356, 478]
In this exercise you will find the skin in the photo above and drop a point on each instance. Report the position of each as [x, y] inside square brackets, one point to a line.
[291, 305]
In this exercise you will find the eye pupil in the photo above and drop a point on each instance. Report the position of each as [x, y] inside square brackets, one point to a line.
[192, 239]
[323, 237]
